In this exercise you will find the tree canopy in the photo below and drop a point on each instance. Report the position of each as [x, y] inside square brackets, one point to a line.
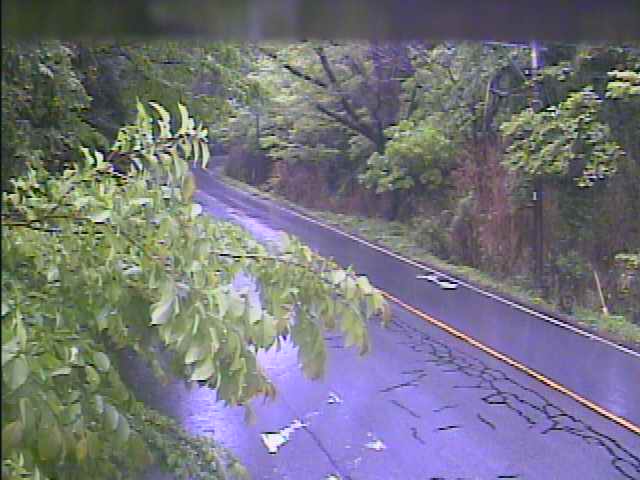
[96, 260]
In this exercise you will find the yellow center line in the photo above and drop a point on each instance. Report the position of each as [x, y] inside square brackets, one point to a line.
[470, 340]
[519, 366]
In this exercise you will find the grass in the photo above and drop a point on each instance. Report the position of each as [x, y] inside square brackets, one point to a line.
[400, 238]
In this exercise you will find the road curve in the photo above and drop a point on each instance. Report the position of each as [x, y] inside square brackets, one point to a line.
[423, 404]
[592, 369]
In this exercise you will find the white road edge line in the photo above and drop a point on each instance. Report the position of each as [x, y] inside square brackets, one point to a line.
[517, 306]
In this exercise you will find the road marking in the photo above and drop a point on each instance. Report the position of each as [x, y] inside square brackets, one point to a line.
[472, 341]
[421, 266]
[519, 366]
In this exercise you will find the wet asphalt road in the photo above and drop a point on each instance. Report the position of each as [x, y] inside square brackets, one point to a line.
[422, 404]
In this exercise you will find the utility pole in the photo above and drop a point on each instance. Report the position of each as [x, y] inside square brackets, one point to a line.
[538, 223]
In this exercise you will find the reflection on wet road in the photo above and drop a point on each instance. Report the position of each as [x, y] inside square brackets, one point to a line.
[421, 405]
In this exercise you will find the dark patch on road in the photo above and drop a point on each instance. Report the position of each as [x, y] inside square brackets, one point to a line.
[487, 422]
[413, 372]
[442, 409]
[407, 384]
[330, 457]
[505, 392]
[447, 427]
[405, 408]
[416, 435]
[508, 476]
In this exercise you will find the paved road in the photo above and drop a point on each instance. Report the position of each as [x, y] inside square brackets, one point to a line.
[422, 404]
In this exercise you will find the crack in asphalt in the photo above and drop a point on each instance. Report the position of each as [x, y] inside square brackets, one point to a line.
[405, 408]
[487, 422]
[503, 391]
[447, 427]
[332, 460]
[410, 383]
[441, 409]
[416, 435]
[534, 408]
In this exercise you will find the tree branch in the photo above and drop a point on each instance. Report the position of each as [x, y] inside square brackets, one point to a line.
[298, 73]
[345, 121]
[355, 123]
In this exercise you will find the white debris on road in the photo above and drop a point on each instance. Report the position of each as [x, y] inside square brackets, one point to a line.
[333, 398]
[274, 440]
[375, 444]
[443, 282]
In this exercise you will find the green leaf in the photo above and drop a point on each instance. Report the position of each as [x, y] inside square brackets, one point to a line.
[161, 311]
[92, 377]
[364, 285]
[142, 201]
[99, 404]
[18, 372]
[196, 209]
[111, 417]
[100, 217]
[27, 414]
[123, 430]
[236, 304]
[165, 119]
[49, 441]
[139, 452]
[205, 154]
[102, 320]
[188, 187]
[10, 350]
[239, 471]
[350, 288]
[82, 448]
[386, 313]
[89, 160]
[184, 119]
[204, 370]
[338, 276]
[61, 371]
[101, 361]
[254, 312]
[12, 435]
[196, 352]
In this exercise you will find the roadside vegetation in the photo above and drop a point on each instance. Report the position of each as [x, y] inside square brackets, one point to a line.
[104, 250]
[403, 238]
[445, 150]
[433, 149]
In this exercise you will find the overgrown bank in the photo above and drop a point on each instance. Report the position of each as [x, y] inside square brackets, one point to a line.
[405, 239]
[103, 249]
[468, 154]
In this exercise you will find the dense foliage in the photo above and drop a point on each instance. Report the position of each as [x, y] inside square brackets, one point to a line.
[451, 138]
[108, 251]
[42, 104]
[95, 260]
